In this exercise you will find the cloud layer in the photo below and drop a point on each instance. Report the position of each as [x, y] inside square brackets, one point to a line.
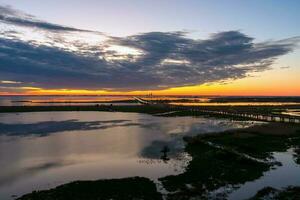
[64, 57]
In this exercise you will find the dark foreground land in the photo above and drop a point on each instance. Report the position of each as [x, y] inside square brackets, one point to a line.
[283, 194]
[119, 189]
[226, 159]
[170, 110]
[96, 107]
[231, 158]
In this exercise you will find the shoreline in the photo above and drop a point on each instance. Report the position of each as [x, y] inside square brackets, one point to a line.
[268, 113]
[247, 151]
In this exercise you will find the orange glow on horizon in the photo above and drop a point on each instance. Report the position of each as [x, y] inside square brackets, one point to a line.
[277, 83]
[209, 90]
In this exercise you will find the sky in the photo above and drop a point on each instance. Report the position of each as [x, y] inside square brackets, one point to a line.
[183, 47]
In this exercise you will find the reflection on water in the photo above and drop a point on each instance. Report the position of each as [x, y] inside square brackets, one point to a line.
[238, 104]
[292, 112]
[128, 100]
[86, 100]
[42, 150]
[283, 176]
[45, 128]
[63, 100]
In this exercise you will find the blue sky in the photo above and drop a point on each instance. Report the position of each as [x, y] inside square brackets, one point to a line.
[267, 19]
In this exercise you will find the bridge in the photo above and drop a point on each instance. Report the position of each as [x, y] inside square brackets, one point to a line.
[247, 115]
[256, 116]
[142, 101]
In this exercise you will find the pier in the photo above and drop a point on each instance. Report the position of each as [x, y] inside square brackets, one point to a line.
[270, 117]
[142, 101]
[253, 116]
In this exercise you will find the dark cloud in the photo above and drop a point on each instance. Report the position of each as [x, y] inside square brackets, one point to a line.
[48, 127]
[226, 55]
[168, 59]
[11, 16]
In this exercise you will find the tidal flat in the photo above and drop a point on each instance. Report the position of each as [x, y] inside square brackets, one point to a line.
[42, 150]
[224, 158]
[122, 189]
[221, 164]
[232, 158]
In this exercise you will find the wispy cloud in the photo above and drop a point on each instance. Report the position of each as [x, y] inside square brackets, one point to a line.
[65, 57]
[10, 82]
[15, 17]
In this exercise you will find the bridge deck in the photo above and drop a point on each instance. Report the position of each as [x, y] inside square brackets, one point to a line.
[248, 115]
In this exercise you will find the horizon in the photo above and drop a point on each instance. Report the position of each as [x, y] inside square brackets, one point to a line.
[202, 49]
[153, 95]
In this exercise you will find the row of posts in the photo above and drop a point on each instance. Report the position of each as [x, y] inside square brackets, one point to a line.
[269, 118]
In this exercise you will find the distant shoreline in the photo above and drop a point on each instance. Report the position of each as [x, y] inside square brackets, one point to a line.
[166, 110]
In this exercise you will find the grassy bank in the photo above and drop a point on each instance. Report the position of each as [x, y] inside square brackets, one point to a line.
[117, 189]
[161, 110]
[290, 193]
[229, 159]
[133, 108]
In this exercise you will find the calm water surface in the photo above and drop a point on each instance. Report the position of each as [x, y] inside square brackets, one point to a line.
[292, 112]
[62, 100]
[123, 100]
[239, 104]
[45, 149]
[282, 176]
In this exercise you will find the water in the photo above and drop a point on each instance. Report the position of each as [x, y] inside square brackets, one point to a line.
[82, 100]
[238, 104]
[292, 112]
[283, 176]
[44, 149]
[63, 100]
[127, 100]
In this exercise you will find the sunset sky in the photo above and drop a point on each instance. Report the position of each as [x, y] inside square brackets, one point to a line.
[179, 47]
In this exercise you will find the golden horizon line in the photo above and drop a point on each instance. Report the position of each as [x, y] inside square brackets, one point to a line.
[131, 95]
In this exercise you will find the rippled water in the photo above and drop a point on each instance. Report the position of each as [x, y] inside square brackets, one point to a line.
[44, 149]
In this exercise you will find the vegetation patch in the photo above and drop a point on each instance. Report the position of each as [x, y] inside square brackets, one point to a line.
[229, 159]
[117, 189]
[270, 193]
